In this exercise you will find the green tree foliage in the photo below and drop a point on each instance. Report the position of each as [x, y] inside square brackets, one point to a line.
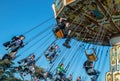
[7, 74]
[7, 71]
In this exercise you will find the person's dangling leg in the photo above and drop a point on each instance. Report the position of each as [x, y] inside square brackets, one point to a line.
[6, 44]
[23, 60]
[47, 53]
[94, 78]
[25, 70]
[51, 61]
[9, 44]
[12, 44]
[15, 48]
[67, 42]
[95, 74]
[50, 54]
[61, 74]
[65, 33]
[90, 71]
[13, 55]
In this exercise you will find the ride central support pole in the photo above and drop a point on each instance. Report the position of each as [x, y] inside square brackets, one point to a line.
[114, 74]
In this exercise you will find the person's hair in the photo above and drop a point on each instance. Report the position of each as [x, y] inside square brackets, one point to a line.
[33, 55]
[79, 77]
[70, 74]
[56, 46]
[61, 64]
[22, 36]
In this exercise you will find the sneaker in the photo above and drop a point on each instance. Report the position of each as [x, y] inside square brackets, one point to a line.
[66, 45]
[92, 79]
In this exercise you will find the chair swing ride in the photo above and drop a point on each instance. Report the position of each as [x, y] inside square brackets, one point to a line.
[101, 17]
[95, 22]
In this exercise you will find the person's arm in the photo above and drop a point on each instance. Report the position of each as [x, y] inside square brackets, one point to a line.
[22, 44]
[69, 32]
[61, 19]
[64, 71]
[67, 24]
[23, 60]
[12, 43]
[51, 46]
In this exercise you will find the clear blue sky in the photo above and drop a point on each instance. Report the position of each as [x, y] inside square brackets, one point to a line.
[18, 16]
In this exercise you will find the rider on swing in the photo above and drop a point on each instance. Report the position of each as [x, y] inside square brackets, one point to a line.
[61, 71]
[28, 64]
[64, 26]
[15, 43]
[29, 60]
[89, 68]
[78, 79]
[70, 77]
[9, 56]
[52, 52]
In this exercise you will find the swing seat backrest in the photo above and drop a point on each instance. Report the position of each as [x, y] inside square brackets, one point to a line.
[59, 33]
[91, 57]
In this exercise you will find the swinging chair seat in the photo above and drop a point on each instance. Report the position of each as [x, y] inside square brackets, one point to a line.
[91, 57]
[49, 58]
[59, 33]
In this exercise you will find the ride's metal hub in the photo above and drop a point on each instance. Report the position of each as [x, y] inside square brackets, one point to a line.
[115, 40]
[114, 73]
[92, 21]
